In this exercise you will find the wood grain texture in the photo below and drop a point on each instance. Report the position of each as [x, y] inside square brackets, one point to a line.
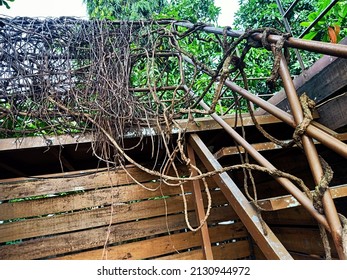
[118, 213]
[87, 199]
[96, 237]
[161, 245]
[227, 251]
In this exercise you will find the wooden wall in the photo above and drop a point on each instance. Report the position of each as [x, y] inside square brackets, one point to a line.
[105, 215]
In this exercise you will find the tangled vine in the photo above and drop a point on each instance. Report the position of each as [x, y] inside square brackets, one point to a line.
[119, 79]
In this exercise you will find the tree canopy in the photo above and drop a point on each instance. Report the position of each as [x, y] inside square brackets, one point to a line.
[192, 10]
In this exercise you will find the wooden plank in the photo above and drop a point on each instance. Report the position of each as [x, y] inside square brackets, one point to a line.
[228, 251]
[88, 199]
[302, 240]
[331, 70]
[266, 146]
[288, 201]
[47, 141]
[269, 244]
[69, 182]
[297, 216]
[199, 124]
[94, 218]
[161, 245]
[96, 237]
[333, 113]
[199, 208]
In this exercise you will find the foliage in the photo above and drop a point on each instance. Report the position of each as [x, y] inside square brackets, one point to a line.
[124, 9]
[336, 18]
[4, 3]
[192, 10]
[264, 13]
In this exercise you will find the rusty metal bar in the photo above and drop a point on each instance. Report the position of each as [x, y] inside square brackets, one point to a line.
[289, 30]
[290, 8]
[288, 201]
[269, 244]
[264, 146]
[312, 157]
[326, 139]
[199, 208]
[314, 46]
[287, 184]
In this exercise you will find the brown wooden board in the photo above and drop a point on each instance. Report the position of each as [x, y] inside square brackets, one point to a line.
[96, 237]
[87, 199]
[199, 124]
[161, 245]
[71, 182]
[333, 113]
[97, 217]
[297, 216]
[227, 251]
[302, 240]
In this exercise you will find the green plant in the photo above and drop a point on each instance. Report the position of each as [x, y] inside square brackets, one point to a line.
[4, 3]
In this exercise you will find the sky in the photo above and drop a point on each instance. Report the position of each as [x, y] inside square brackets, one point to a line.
[76, 8]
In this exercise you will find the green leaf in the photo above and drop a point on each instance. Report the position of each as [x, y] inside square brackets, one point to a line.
[310, 35]
[305, 23]
[343, 11]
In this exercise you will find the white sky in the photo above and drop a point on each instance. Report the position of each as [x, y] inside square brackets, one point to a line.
[76, 8]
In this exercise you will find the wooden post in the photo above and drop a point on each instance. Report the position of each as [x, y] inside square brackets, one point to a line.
[269, 244]
[199, 208]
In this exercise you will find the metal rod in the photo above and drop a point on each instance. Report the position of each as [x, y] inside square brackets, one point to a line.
[309, 45]
[288, 29]
[326, 139]
[312, 157]
[287, 184]
[269, 244]
[290, 8]
[199, 208]
[322, 14]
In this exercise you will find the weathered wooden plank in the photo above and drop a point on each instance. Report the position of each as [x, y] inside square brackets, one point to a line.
[199, 208]
[94, 218]
[88, 199]
[266, 146]
[270, 245]
[96, 237]
[302, 240]
[161, 245]
[333, 113]
[69, 182]
[228, 251]
[331, 70]
[200, 124]
[296, 216]
[288, 201]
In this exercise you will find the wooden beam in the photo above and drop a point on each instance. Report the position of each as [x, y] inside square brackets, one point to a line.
[269, 244]
[62, 159]
[325, 77]
[333, 113]
[11, 169]
[288, 201]
[199, 208]
[266, 146]
[199, 124]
